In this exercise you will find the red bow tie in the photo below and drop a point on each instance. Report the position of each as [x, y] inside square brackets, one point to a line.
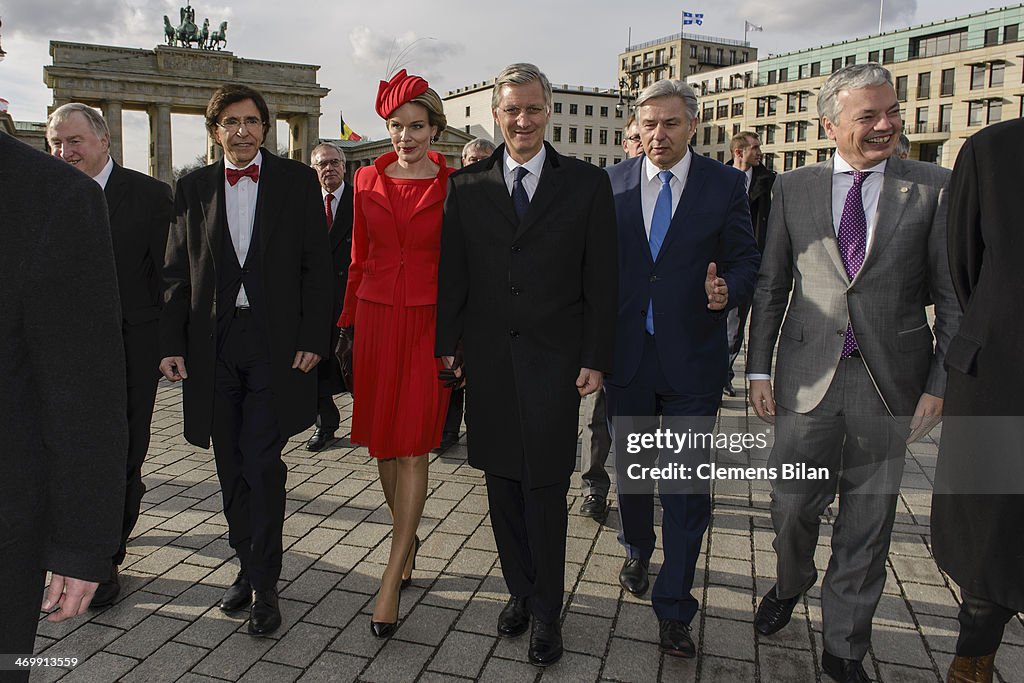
[250, 171]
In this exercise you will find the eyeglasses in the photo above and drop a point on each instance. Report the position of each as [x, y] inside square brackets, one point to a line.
[233, 124]
[327, 163]
[633, 138]
[532, 110]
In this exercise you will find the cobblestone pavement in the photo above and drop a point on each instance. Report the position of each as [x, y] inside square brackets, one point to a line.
[165, 627]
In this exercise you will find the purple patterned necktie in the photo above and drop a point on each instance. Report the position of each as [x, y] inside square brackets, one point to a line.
[853, 239]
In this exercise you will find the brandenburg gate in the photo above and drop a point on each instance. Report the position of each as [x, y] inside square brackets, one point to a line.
[180, 80]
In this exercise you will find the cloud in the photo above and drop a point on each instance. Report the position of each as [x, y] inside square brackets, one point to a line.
[385, 55]
[848, 18]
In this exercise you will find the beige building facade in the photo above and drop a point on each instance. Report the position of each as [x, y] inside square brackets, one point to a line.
[682, 55]
[952, 77]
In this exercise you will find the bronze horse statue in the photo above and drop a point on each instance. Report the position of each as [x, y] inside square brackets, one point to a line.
[185, 34]
[218, 38]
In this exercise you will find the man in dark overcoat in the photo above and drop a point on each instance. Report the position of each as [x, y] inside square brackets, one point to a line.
[62, 399]
[978, 508]
[527, 284]
[246, 319]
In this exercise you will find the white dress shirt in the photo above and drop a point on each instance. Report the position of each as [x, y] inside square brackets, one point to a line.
[870, 191]
[748, 177]
[240, 209]
[335, 196]
[531, 179]
[650, 186]
[103, 176]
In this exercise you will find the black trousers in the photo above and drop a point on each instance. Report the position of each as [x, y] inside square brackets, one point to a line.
[142, 352]
[453, 419]
[981, 625]
[247, 446]
[530, 526]
[23, 579]
[327, 415]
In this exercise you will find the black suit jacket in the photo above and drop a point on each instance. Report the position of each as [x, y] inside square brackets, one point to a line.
[533, 302]
[62, 398]
[330, 380]
[140, 210]
[760, 196]
[296, 280]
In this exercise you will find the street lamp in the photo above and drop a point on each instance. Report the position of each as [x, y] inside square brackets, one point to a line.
[2, 53]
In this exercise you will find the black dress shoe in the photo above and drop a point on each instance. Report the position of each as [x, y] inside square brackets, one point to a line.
[514, 618]
[773, 613]
[238, 596]
[107, 591]
[319, 439]
[265, 615]
[674, 638]
[633, 576]
[729, 391]
[448, 439]
[545, 643]
[843, 670]
[594, 506]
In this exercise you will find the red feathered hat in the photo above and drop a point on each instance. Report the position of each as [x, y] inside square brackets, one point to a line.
[400, 89]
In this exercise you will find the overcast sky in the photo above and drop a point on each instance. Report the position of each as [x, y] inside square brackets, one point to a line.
[572, 41]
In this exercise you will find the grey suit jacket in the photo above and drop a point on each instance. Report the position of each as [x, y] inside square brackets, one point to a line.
[906, 267]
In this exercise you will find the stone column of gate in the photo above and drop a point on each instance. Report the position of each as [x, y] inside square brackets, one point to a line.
[160, 143]
[270, 141]
[312, 135]
[112, 114]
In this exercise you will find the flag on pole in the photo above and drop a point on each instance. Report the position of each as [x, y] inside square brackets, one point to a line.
[346, 132]
[693, 18]
[752, 27]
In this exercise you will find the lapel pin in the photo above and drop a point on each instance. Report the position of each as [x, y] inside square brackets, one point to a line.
[904, 189]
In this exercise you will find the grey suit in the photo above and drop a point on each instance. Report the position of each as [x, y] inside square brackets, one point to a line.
[849, 415]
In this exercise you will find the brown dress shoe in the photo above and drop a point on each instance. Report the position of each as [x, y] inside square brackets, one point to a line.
[971, 669]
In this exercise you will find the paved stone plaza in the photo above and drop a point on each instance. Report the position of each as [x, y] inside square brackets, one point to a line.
[165, 628]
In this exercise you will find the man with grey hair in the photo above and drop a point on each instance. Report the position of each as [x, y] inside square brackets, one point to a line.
[140, 209]
[526, 290]
[328, 160]
[476, 150]
[902, 149]
[687, 256]
[857, 376]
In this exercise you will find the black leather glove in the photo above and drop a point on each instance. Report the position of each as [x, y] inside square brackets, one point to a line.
[343, 352]
[447, 375]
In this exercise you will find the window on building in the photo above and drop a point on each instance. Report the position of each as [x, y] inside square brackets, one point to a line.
[924, 85]
[693, 52]
[735, 128]
[744, 57]
[723, 109]
[938, 44]
[837, 64]
[718, 84]
[558, 107]
[732, 56]
[572, 134]
[977, 76]
[720, 156]
[467, 111]
[588, 110]
[760, 107]
[587, 158]
[618, 138]
[823, 156]
[888, 55]
[721, 134]
[996, 75]
[769, 161]
[618, 113]
[801, 131]
[783, 75]
[921, 120]
[901, 88]
[804, 71]
[946, 88]
[791, 131]
[851, 59]
[991, 36]
[801, 158]
[1010, 33]
[787, 161]
[602, 161]
[706, 53]
[975, 113]
[791, 103]
[773, 76]
[573, 109]
[995, 110]
[873, 56]
[801, 104]
[737, 106]
[467, 128]
[604, 112]
[945, 117]
[815, 69]
[602, 137]
[618, 159]
[822, 133]
[707, 135]
[769, 135]
[719, 56]
[588, 136]
[556, 134]
[671, 71]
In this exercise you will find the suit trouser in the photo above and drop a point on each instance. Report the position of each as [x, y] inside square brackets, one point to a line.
[143, 356]
[530, 527]
[596, 444]
[456, 404]
[981, 625]
[736, 324]
[685, 515]
[328, 417]
[850, 434]
[247, 446]
[22, 579]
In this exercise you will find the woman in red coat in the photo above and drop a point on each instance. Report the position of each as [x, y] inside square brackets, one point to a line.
[399, 403]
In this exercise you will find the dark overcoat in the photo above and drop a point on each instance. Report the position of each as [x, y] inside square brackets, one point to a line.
[329, 379]
[296, 282]
[532, 302]
[977, 527]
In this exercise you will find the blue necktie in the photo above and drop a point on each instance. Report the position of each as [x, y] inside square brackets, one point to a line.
[659, 228]
[520, 200]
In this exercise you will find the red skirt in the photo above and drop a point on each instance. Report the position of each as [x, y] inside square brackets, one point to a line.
[399, 405]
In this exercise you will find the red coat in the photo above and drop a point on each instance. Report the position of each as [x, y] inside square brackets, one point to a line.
[376, 252]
